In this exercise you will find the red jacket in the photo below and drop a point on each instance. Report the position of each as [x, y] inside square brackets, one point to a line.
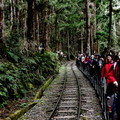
[108, 72]
[117, 72]
[86, 60]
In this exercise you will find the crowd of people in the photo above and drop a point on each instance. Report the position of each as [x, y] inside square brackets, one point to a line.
[108, 68]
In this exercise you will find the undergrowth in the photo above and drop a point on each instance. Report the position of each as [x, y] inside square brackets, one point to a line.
[20, 74]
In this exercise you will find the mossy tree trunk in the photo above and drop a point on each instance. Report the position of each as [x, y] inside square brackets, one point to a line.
[88, 26]
[2, 32]
[36, 23]
[44, 36]
[56, 34]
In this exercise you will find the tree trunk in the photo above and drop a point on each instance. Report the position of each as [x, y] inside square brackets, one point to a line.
[68, 41]
[94, 23]
[75, 44]
[56, 33]
[50, 26]
[81, 42]
[17, 13]
[11, 14]
[115, 36]
[110, 26]
[88, 26]
[98, 47]
[2, 32]
[14, 26]
[119, 34]
[45, 41]
[92, 40]
[23, 20]
[30, 21]
[36, 23]
[14, 11]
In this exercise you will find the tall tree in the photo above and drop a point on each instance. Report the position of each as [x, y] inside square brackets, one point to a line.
[2, 32]
[81, 42]
[11, 14]
[119, 34]
[115, 36]
[94, 24]
[68, 46]
[110, 27]
[44, 36]
[17, 13]
[56, 34]
[36, 23]
[88, 26]
[23, 20]
[30, 21]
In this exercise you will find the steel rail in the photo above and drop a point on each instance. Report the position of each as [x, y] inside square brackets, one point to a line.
[79, 95]
[65, 79]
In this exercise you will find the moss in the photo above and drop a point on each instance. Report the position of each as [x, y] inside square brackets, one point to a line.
[40, 93]
[7, 118]
[31, 86]
[19, 113]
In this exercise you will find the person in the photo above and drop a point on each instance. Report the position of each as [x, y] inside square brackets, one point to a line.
[117, 76]
[108, 73]
[40, 47]
[91, 67]
[86, 62]
[99, 67]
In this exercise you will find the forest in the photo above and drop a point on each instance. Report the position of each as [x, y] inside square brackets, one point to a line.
[70, 26]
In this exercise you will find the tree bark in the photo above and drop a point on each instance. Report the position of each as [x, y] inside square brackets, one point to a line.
[88, 26]
[81, 42]
[119, 34]
[2, 32]
[68, 46]
[36, 23]
[14, 26]
[50, 26]
[92, 40]
[11, 14]
[30, 21]
[56, 33]
[94, 23]
[115, 36]
[23, 20]
[98, 47]
[75, 44]
[110, 26]
[17, 13]
[45, 41]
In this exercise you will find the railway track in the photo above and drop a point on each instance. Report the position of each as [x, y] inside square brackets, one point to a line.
[67, 98]
[68, 104]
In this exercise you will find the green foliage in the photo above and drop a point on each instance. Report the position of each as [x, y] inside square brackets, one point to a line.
[18, 77]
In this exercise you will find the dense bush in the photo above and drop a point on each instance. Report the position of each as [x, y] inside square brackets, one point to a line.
[20, 74]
